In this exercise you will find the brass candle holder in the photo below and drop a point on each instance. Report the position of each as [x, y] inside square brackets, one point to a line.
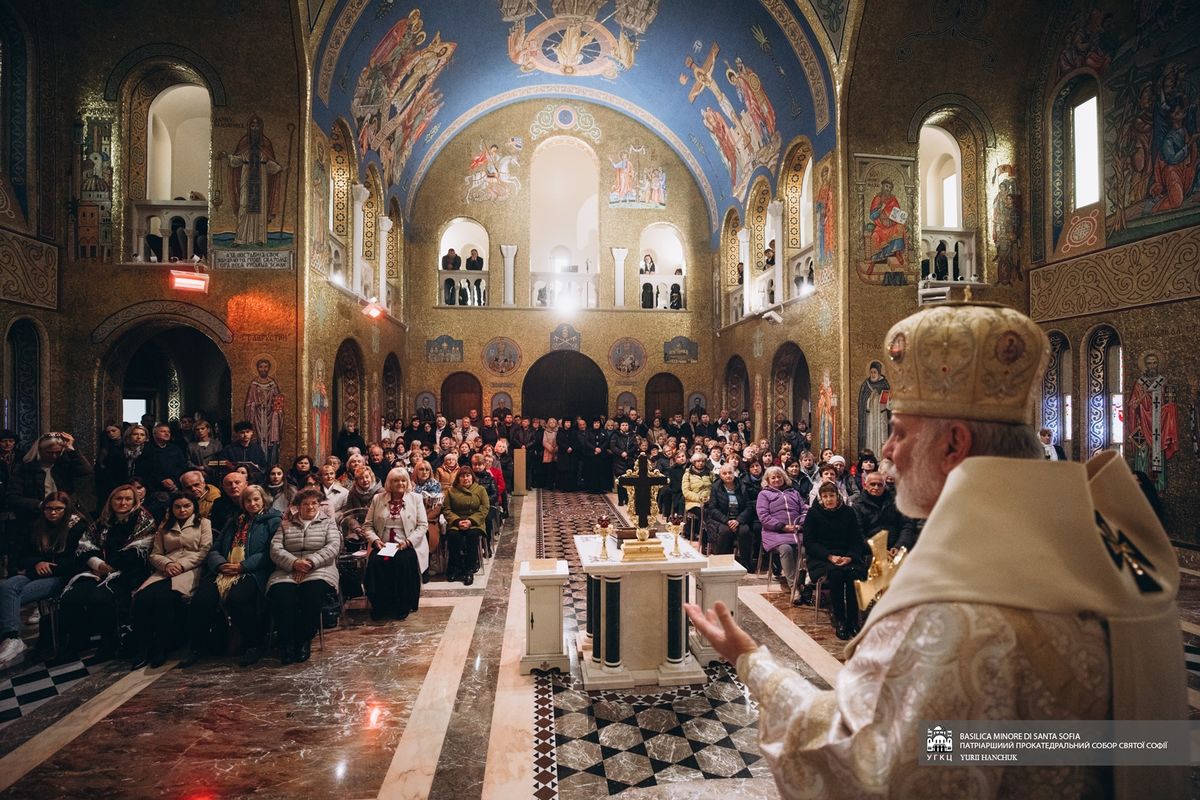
[676, 524]
[602, 529]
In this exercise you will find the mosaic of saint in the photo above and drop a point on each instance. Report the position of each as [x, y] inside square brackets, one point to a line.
[395, 100]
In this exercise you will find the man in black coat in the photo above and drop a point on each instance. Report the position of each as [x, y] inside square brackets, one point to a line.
[243, 450]
[624, 449]
[876, 511]
[161, 462]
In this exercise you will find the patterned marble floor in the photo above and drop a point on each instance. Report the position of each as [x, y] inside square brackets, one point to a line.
[602, 743]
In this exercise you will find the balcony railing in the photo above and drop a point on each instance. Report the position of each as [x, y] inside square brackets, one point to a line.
[564, 289]
[655, 291]
[458, 287]
[734, 310]
[170, 230]
[802, 274]
[956, 260]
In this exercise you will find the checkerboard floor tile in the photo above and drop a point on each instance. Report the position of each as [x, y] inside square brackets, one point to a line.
[601, 743]
[24, 692]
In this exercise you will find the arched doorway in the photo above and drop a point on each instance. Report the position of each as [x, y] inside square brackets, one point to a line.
[391, 387]
[348, 385]
[791, 386]
[461, 392]
[664, 392]
[23, 385]
[167, 370]
[737, 386]
[564, 382]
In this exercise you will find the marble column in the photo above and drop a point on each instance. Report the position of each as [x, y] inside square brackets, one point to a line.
[743, 237]
[612, 623]
[775, 231]
[360, 195]
[381, 285]
[676, 628]
[509, 251]
[619, 254]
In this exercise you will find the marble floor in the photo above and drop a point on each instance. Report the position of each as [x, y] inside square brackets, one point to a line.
[434, 706]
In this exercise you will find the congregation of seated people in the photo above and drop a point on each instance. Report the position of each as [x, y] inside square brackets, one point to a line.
[207, 548]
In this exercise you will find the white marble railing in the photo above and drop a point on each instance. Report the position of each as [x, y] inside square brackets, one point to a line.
[180, 225]
[763, 292]
[458, 287]
[801, 274]
[564, 289]
[931, 291]
[960, 254]
[734, 310]
[659, 295]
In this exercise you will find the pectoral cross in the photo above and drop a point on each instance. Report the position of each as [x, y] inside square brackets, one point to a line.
[880, 573]
[641, 481]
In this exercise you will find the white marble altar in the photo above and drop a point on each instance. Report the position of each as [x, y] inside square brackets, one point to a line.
[636, 631]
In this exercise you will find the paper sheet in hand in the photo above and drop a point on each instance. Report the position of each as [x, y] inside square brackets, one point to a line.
[389, 550]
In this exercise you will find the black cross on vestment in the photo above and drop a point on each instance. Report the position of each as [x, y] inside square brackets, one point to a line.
[641, 483]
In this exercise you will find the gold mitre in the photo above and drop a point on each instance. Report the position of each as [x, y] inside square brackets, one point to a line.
[968, 360]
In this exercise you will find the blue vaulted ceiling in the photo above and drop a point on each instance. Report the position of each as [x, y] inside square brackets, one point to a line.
[728, 84]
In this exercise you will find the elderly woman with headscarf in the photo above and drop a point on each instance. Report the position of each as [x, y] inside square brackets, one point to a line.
[396, 527]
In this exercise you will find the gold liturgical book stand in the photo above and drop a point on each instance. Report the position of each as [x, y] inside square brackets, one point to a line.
[880, 573]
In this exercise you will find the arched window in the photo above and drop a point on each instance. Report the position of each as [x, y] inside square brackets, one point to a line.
[1057, 391]
[1074, 173]
[565, 210]
[940, 171]
[662, 265]
[463, 263]
[1085, 145]
[1105, 427]
[168, 168]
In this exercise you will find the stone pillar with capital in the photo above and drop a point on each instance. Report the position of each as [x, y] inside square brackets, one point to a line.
[619, 255]
[509, 251]
[358, 267]
[774, 232]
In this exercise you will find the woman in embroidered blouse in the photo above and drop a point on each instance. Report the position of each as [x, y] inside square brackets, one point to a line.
[396, 516]
[427, 485]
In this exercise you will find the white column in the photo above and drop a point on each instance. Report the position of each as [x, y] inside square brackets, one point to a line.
[775, 231]
[743, 237]
[509, 251]
[385, 228]
[360, 195]
[619, 254]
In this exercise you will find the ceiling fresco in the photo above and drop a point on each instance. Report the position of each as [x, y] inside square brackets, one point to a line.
[728, 85]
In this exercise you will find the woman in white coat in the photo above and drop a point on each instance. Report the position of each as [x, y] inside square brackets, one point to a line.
[396, 517]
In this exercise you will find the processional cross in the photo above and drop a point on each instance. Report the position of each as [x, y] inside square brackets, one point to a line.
[642, 482]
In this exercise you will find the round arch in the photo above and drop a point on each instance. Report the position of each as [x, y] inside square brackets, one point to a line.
[1058, 388]
[664, 392]
[737, 385]
[169, 367]
[349, 404]
[795, 186]
[564, 382]
[791, 386]
[25, 385]
[1102, 424]
[461, 392]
